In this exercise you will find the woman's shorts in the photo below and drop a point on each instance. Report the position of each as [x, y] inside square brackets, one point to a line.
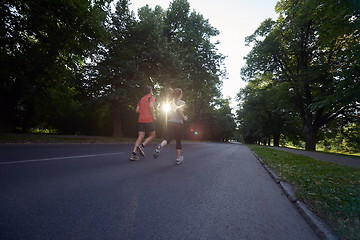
[146, 127]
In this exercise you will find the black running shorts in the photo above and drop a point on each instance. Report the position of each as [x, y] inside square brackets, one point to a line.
[146, 127]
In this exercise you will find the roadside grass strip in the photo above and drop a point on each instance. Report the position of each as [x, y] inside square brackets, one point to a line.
[50, 138]
[64, 139]
[332, 191]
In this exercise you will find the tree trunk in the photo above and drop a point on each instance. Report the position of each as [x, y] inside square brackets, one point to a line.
[5, 116]
[310, 144]
[310, 137]
[5, 125]
[115, 109]
[276, 137]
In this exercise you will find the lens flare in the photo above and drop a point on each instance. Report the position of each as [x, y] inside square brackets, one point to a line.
[195, 132]
[166, 107]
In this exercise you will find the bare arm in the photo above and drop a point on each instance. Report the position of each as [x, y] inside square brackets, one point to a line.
[151, 106]
[137, 109]
[181, 112]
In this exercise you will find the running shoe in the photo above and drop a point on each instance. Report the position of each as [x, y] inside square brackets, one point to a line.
[179, 160]
[157, 150]
[133, 157]
[140, 148]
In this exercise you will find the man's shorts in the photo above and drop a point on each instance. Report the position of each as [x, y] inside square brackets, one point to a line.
[146, 127]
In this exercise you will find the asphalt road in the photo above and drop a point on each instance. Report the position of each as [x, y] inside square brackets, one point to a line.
[92, 191]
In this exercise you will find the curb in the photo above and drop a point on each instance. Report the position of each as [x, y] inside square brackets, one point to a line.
[320, 228]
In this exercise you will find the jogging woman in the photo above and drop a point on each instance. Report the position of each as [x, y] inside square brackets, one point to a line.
[175, 128]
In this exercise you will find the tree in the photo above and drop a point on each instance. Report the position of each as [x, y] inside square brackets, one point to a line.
[169, 48]
[189, 35]
[77, 60]
[222, 123]
[136, 57]
[43, 46]
[315, 51]
[264, 111]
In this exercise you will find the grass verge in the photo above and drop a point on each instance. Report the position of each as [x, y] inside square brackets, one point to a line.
[51, 138]
[63, 139]
[330, 190]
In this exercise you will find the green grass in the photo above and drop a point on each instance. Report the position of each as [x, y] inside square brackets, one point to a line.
[347, 154]
[52, 138]
[331, 190]
[323, 150]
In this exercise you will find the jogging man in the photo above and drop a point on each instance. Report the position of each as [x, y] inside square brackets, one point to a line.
[145, 108]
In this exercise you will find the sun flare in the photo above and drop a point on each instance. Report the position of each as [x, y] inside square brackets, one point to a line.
[166, 107]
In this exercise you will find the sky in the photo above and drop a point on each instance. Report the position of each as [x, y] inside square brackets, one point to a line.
[235, 19]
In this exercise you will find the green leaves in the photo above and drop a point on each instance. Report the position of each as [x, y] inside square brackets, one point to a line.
[314, 50]
[72, 54]
[162, 48]
[43, 46]
[333, 191]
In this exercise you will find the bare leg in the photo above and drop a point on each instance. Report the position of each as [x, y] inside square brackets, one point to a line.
[157, 149]
[178, 153]
[163, 143]
[149, 138]
[141, 136]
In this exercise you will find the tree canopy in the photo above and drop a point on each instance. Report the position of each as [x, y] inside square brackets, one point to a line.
[43, 46]
[81, 66]
[311, 54]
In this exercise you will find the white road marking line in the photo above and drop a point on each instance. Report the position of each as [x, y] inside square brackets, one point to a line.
[59, 158]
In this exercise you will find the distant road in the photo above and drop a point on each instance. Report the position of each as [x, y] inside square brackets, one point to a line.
[92, 191]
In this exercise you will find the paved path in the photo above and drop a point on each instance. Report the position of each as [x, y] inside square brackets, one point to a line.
[92, 191]
[338, 159]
